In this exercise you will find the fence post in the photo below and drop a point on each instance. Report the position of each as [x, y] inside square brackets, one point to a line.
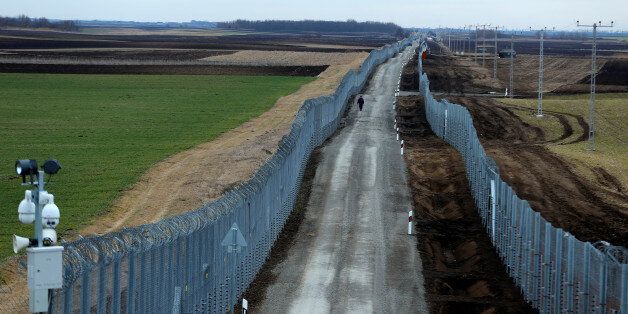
[493, 209]
[569, 284]
[86, 290]
[624, 289]
[536, 267]
[130, 304]
[586, 288]
[558, 273]
[115, 305]
[547, 266]
[603, 283]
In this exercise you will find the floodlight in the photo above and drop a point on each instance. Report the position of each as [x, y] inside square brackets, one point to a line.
[24, 167]
[52, 166]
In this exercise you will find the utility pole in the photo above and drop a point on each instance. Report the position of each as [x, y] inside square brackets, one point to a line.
[592, 128]
[495, 55]
[539, 108]
[448, 39]
[477, 30]
[484, 45]
[475, 55]
[512, 65]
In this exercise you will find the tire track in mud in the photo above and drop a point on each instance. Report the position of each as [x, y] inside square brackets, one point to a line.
[568, 129]
[463, 272]
[550, 184]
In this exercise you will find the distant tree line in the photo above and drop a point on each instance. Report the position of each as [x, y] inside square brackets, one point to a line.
[349, 26]
[42, 22]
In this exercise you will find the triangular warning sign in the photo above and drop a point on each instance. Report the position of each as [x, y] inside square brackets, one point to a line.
[234, 240]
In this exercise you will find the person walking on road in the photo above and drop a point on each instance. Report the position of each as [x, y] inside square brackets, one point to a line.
[360, 102]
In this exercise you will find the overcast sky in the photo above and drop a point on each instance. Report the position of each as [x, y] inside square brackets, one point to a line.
[561, 14]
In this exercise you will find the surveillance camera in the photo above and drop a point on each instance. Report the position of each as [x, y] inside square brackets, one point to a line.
[49, 237]
[26, 209]
[50, 213]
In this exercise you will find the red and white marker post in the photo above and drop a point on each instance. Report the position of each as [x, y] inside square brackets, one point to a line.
[410, 219]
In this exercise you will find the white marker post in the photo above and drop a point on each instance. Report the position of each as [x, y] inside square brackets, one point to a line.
[245, 306]
[410, 219]
[397, 134]
[493, 208]
[402, 147]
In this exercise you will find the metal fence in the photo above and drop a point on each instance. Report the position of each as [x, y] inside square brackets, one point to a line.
[178, 264]
[555, 271]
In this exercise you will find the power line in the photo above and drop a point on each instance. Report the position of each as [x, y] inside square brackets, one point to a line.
[593, 74]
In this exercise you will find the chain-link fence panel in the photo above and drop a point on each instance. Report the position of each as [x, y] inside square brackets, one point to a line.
[555, 271]
[178, 264]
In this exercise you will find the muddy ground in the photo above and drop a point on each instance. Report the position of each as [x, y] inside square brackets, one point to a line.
[589, 210]
[463, 273]
[162, 69]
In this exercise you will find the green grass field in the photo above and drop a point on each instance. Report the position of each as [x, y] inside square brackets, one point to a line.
[612, 131]
[106, 130]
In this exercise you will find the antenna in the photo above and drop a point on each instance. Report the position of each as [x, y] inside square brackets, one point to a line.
[592, 128]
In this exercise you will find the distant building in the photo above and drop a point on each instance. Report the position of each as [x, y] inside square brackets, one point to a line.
[505, 53]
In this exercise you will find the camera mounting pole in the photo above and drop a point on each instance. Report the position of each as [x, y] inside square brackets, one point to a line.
[44, 257]
[38, 225]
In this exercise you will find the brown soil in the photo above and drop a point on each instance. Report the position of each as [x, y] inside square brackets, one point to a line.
[558, 71]
[589, 210]
[42, 39]
[111, 54]
[409, 76]
[162, 69]
[287, 58]
[563, 74]
[463, 273]
[449, 74]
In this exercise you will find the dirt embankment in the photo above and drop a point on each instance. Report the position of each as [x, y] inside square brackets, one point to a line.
[562, 74]
[449, 74]
[591, 211]
[612, 77]
[286, 58]
[463, 273]
[409, 76]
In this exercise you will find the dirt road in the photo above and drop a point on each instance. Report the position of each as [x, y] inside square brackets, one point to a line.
[352, 253]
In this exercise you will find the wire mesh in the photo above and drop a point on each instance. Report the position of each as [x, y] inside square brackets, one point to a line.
[555, 271]
[178, 264]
